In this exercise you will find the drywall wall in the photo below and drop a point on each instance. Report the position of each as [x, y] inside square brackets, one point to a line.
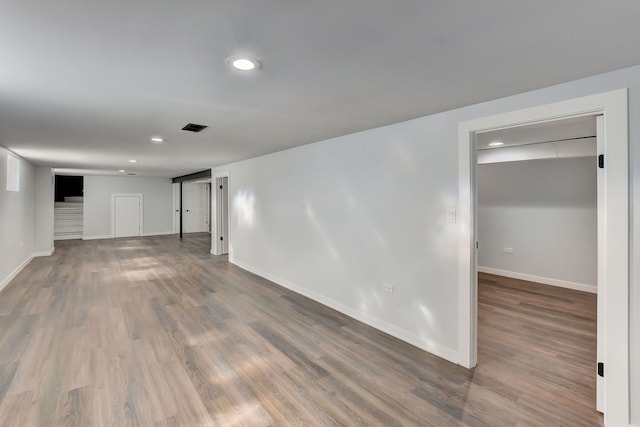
[44, 212]
[545, 210]
[157, 207]
[17, 210]
[341, 219]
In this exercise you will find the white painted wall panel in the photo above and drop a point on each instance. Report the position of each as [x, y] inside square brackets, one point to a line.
[548, 150]
[17, 216]
[44, 212]
[157, 208]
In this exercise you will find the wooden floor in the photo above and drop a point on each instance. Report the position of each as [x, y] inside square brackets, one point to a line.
[158, 332]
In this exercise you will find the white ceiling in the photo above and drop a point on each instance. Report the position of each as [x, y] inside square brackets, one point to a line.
[558, 130]
[86, 83]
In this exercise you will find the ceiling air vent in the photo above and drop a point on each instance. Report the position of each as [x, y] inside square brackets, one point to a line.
[131, 174]
[192, 127]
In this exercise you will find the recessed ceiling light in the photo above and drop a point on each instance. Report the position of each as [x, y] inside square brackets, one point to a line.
[244, 64]
[157, 139]
[133, 161]
[496, 143]
[121, 171]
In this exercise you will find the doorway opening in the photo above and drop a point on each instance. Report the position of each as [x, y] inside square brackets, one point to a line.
[192, 203]
[68, 216]
[537, 233]
[613, 277]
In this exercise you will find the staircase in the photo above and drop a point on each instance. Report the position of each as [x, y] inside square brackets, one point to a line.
[68, 220]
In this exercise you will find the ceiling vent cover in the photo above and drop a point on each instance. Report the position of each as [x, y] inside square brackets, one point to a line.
[192, 127]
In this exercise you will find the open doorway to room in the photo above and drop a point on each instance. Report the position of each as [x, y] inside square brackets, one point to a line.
[537, 229]
[68, 218]
[613, 247]
[192, 205]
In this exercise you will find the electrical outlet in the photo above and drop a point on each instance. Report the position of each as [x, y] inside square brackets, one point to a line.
[387, 288]
[508, 250]
[451, 217]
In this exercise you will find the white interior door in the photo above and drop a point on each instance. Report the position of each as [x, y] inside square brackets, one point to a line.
[222, 215]
[195, 207]
[127, 218]
[601, 281]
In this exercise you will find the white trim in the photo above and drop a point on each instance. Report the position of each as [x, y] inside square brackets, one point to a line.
[106, 236]
[157, 233]
[222, 174]
[44, 253]
[615, 289]
[113, 211]
[402, 334]
[538, 279]
[175, 212]
[110, 236]
[69, 237]
[14, 273]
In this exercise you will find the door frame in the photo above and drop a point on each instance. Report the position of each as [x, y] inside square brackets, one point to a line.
[613, 106]
[215, 213]
[113, 211]
[176, 207]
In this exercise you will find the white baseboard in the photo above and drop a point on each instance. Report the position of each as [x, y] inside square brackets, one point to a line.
[400, 333]
[160, 233]
[538, 279]
[110, 236]
[106, 236]
[14, 273]
[45, 253]
[72, 237]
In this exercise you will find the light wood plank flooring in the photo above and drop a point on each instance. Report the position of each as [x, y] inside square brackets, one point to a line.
[158, 332]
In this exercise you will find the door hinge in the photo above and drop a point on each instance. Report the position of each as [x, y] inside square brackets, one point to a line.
[476, 245]
[601, 369]
[601, 161]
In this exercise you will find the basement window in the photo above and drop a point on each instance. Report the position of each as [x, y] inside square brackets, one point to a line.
[13, 173]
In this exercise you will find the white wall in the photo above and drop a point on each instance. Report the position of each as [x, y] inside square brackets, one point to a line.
[546, 211]
[17, 211]
[341, 219]
[157, 196]
[44, 212]
[338, 219]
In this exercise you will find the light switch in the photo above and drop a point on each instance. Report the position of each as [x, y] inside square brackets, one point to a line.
[451, 217]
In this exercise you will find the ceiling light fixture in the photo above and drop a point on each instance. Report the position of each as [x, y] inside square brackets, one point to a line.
[133, 161]
[157, 139]
[121, 171]
[496, 143]
[243, 63]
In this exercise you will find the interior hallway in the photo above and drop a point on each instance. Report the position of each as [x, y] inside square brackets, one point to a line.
[156, 331]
